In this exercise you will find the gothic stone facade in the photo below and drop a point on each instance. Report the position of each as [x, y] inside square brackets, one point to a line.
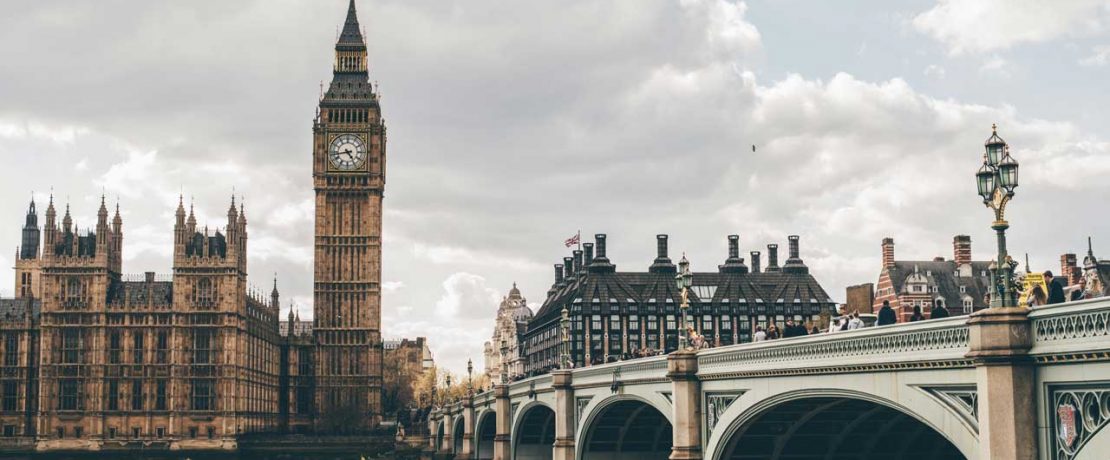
[96, 360]
[348, 171]
[512, 322]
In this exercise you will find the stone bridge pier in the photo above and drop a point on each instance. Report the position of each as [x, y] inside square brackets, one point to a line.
[1009, 384]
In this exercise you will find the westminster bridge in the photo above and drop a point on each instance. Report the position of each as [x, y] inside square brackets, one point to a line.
[999, 384]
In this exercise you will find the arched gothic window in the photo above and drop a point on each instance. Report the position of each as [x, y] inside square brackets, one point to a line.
[204, 293]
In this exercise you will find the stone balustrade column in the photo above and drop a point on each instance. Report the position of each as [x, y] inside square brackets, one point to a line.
[468, 428]
[682, 369]
[502, 409]
[999, 345]
[563, 448]
[433, 422]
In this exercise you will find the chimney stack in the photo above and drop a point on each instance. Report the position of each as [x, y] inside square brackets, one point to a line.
[662, 263]
[772, 258]
[558, 273]
[755, 261]
[888, 252]
[794, 263]
[578, 263]
[1069, 268]
[568, 268]
[734, 264]
[961, 246]
[589, 247]
[601, 263]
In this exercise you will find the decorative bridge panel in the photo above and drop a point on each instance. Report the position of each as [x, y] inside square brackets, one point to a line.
[1076, 414]
[901, 347]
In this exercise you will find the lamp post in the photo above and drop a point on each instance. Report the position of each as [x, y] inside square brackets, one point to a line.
[470, 377]
[447, 396]
[996, 181]
[504, 362]
[565, 355]
[683, 280]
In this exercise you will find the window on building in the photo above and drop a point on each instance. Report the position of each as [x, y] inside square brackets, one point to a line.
[963, 289]
[211, 432]
[9, 431]
[204, 294]
[160, 395]
[111, 432]
[11, 349]
[11, 396]
[202, 346]
[204, 394]
[114, 347]
[136, 432]
[917, 288]
[77, 431]
[61, 432]
[193, 432]
[71, 346]
[671, 325]
[74, 293]
[69, 394]
[653, 323]
[160, 432]
[113, 394]
[614, 322]
[967, 306]
[136, 395]
[161, 354]
[137, 351]
[634, 322]
[726, 323]
[707, 324]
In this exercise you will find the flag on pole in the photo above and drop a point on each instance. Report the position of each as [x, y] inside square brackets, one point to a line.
[574, 239]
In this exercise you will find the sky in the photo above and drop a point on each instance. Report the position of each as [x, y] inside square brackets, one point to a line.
[513, 125]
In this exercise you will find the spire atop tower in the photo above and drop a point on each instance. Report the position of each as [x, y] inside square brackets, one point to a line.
[352, 33]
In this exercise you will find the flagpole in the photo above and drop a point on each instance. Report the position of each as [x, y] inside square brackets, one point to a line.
[580, 240]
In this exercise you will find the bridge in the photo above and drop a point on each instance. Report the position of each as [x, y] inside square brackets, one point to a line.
[1003, 383]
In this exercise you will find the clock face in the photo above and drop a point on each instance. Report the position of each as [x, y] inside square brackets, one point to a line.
[347, 152]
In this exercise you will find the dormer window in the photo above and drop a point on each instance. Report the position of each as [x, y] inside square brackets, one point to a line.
[963, 289]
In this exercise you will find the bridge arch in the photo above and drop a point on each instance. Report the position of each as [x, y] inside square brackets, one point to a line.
[484, 432]
[439, 434]
[832, 424]
[457, 431]
[533, 432]
[625, 427]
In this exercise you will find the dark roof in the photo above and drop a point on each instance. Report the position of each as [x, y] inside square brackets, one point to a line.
[351, 34]
[943, 275]
[141, 293]
[647, 289]
[16, 308]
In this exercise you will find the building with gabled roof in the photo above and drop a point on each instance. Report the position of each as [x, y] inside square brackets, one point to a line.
[960, 284]
[614, 314]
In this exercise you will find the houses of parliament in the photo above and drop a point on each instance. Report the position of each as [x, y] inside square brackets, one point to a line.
[94, 359]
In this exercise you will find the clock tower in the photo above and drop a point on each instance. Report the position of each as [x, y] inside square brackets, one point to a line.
[348, 175]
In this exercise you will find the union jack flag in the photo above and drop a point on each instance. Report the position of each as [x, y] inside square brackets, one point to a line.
[573, 240]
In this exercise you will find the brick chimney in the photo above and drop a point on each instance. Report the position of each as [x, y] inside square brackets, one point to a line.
[961, 246]
[755, 261]
[568, 267]
[888, 252]
[558, 273]
[578, 263]
[589, 248]
[772, 257]
[1069, 268]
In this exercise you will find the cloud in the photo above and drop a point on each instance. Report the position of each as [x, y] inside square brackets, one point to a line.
[995, 66]
[1100, 56]
[979, 26]
[466, 295]
[934, 71]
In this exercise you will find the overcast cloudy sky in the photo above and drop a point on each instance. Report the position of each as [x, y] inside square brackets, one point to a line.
[514, 124]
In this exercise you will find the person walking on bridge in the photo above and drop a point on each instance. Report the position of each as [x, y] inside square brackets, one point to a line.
[938, 310]
[886, 315]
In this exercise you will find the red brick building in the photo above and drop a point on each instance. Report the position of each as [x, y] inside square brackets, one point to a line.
[959, 283]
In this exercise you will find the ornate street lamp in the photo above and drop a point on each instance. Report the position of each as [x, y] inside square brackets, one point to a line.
[996, 180]
[470, 377]
[565, 355]
[683, 280]
[446, 397]
[504, 362]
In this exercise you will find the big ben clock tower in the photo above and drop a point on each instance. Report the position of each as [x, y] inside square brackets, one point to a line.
[348, 173]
